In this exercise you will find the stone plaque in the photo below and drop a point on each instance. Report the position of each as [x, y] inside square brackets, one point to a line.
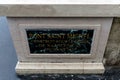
[60, 41]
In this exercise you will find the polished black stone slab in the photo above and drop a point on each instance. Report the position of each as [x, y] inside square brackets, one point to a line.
[60, 41]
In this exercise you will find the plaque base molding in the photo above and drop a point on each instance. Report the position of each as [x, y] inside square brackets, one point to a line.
[60, 68]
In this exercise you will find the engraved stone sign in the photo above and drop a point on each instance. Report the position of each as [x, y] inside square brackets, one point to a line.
[60, 41]
[60, 45]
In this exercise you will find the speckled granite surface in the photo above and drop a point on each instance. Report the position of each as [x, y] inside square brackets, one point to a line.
[112, 52]
[110, 74]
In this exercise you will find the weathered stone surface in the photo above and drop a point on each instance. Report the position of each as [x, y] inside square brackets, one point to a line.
[110, 74]
[58, 9]
[112, 53]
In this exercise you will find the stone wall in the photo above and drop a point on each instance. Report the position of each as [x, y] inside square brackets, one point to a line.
[112, 53]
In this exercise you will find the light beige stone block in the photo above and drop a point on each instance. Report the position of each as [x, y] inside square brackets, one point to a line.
[55, 8]
[28, 68]
[67, 68]
[91, 68]
[60, 63]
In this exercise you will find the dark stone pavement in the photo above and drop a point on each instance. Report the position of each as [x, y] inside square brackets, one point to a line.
[110, 74]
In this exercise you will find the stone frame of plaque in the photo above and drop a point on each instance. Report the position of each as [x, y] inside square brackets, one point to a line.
[96, 29]
[59, 63]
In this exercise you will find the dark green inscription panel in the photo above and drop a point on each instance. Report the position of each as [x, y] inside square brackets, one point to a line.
[60, 41]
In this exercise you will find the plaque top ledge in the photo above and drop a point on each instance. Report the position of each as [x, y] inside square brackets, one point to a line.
[59, 1]
[60, 8]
